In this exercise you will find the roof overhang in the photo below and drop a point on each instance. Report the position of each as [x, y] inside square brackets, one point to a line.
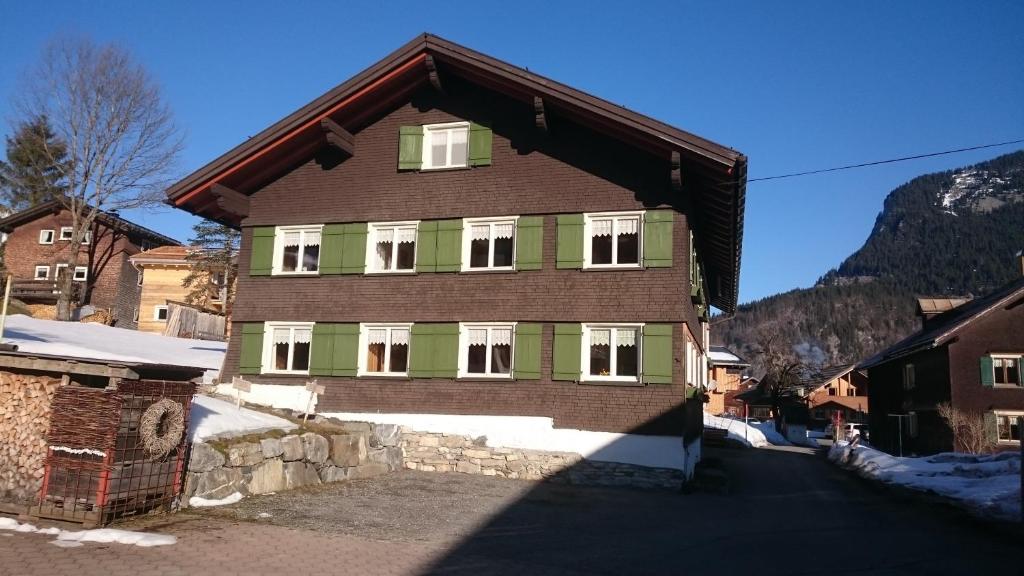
[714, 175]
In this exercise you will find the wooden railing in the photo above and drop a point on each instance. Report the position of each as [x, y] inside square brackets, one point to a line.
[41, 290]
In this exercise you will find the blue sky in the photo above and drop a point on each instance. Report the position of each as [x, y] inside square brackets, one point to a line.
[794, 85]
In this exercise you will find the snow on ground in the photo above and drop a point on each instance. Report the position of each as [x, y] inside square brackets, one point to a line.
[93, 341]
[274, 395]
[737, 430]
[103, 535]
[199, 502]
[771, 434]
[212, 418]
[988, 485]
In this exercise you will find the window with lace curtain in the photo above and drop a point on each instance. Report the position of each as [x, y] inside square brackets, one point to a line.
[392, 247]
[486, 350]
[385, 349]
[612, 239]
[297, 249]
[488, 244]
[611, 352]
[287, 348]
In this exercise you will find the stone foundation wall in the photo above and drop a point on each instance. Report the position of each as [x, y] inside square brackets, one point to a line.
[433, 452]
[252, 466]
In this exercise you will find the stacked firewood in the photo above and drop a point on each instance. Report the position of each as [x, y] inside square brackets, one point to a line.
[25, 402]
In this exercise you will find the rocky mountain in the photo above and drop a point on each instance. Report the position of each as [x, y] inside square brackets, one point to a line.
[949, 233]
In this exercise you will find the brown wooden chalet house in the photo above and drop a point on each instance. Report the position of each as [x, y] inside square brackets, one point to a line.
[36, 251]
[969, 356]
[446, 233]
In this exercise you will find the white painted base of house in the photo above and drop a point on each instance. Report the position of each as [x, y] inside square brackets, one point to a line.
[273, 395]
[539, 433]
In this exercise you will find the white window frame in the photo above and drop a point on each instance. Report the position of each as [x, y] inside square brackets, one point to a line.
[156, 313]
[427, 148]
[586, 376]
[84, 271]
[1012, 414]
[1015, 357]
[69, 230]
[364, 329]
[279, 233]
[588, 248]
[57, 269]
[47, 232]
[35, 273]
[135, 315]
[141, 275]
[371, 246]
[268, 345]
[467, 242]
[87, 237]
[464, 328]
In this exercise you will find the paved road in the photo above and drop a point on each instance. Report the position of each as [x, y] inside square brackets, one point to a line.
[788, 512]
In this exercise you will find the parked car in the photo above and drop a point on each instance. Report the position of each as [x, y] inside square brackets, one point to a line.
[850, 430]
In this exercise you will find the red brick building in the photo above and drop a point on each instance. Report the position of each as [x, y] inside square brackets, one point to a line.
[448, 234]
[969, 356]
[37, 247]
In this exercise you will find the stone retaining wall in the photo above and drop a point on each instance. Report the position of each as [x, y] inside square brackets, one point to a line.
[433, 452]
[271, 464]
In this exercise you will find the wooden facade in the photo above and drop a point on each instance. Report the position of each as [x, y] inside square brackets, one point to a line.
[161, 274]
[331, 203]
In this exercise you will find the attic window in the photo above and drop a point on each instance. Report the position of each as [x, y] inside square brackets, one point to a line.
[446, 145]
[46, 236]
[65, 232]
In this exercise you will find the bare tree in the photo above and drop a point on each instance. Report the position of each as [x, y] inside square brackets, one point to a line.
[969, 434]
[120, 140]
[782, 370]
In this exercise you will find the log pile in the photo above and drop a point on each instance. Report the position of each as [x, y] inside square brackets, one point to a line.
[25, 405]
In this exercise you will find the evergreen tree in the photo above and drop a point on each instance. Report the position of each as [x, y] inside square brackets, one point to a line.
[34, 170]
[214, 263]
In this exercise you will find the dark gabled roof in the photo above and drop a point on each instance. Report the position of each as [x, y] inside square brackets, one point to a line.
[107, 218]
[719, 173]
[826, 375]
[945, 326]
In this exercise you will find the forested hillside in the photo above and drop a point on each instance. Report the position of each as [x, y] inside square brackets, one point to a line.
[948, 233]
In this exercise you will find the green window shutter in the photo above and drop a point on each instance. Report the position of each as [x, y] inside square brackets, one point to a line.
[569, 253]
[449, 245]
[250, 361]
[332, 247]
[526, 365]
[410, 147]
[345, 356]
[987, 375]
[480, 144]
[261, 260]
[321, 350]
[446, 350]
[657, 353]
[426, 247]
[421, 351]
[529, 242]
[353, 259]
[567, 352]
[991, 427]
[658, 238]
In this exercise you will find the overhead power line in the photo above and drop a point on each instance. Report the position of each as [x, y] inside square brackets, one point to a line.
[889, 161]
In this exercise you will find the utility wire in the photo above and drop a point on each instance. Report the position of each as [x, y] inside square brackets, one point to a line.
[889, 161]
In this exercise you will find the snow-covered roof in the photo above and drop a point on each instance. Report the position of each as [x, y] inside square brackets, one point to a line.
[90, 341]
[721, 355]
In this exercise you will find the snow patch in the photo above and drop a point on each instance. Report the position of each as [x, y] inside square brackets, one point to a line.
[737, 430]
[91, 341]
[70, 539]
[988, 485]
[198, 502]
[273, 395]
[212, 418]
[69, 450]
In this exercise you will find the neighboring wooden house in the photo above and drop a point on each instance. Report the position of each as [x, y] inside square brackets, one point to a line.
[161, 273]
[725, 370]
[969, 356]
[448, 234]
[839, 389]
[37, 247]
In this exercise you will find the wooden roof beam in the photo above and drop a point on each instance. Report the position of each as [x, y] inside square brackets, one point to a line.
[230, 201]
[540, 116]
[338, 137]
[432, 74]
